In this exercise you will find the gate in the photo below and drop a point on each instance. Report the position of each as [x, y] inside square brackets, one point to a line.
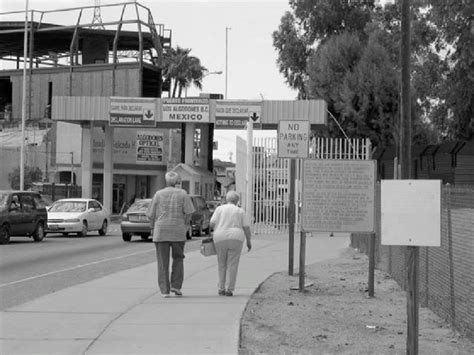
[271, 174]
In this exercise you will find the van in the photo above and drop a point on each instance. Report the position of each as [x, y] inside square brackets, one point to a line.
[22, 213]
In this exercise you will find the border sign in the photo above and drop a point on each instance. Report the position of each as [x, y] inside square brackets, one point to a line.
[149, 147]
[293, 139]
[235, 114]
[185, 110]
[339, 195]
[132, 112]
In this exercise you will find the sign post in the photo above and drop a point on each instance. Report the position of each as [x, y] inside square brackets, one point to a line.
[293, 142]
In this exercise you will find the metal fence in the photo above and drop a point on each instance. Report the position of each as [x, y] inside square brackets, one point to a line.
[446, 273]
[271, 178]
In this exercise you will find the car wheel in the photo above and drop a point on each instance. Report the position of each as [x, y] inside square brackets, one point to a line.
[4, 235]
[38, 234]
[103, 230]
[83, 232]
[126, 237]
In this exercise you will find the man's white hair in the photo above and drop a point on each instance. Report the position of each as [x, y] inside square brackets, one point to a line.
[171, 178]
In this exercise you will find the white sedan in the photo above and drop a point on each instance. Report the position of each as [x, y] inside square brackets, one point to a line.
[77, 215]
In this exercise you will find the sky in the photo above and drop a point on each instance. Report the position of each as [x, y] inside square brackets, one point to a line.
[200, 25]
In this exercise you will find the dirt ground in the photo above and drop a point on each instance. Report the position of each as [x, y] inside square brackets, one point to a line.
[334, 315]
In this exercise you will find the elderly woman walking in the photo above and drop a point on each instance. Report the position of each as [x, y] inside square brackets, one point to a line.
[231, 227]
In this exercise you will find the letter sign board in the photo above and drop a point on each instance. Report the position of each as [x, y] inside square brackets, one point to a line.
[411, 212]
[293, 139]
[132, 112]
[185, 110]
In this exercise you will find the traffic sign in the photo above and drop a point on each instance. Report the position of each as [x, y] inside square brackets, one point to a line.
[293, 139]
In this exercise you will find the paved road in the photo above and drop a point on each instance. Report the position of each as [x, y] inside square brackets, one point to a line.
[29, 270]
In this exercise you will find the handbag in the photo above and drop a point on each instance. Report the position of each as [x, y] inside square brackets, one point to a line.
[208, 247]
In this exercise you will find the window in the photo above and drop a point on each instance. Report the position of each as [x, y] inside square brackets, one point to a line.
[27, 202]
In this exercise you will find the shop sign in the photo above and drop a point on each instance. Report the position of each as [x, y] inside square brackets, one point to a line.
[149, 147]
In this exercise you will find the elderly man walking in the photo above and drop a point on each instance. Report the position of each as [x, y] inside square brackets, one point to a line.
[169, 215]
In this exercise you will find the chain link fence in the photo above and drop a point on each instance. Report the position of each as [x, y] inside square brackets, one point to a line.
[446, 273]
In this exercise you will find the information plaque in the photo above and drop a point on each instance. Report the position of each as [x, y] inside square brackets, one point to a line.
[338, 196]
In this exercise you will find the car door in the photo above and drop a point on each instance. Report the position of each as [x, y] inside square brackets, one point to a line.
[28, 212]
[16, 218]
[94, 215]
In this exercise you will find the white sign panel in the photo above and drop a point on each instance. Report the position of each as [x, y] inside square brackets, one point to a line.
[234, 114]
[132, 112]
[293, 139]
[149, 147]
[411, 212]
[185, 110]
[338, 196]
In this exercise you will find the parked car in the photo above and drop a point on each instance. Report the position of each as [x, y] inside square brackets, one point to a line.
[213, 204]
[200, 218]
[22, 213]
[135, 221]
[78, 215]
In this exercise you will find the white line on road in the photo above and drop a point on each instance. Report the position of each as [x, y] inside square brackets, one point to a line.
[72, 268]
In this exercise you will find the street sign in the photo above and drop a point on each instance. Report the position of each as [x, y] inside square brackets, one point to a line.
[132, 112]
[234, 114]
[185, 110]
[293, 139]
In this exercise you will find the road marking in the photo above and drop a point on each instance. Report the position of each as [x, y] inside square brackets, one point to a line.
[73, 268]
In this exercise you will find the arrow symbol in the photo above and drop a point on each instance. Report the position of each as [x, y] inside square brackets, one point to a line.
[254, 116]
[148, 114]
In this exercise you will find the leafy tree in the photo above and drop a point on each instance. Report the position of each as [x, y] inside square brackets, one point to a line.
[351, 50]
[31, 174]
[454, 115]
[182, 70]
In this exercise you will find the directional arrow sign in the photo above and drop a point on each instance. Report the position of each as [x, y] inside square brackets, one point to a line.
[254, 117]
[149, 114]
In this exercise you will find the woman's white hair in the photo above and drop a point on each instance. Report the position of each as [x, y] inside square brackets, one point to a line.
[232, 197]
[171, 178]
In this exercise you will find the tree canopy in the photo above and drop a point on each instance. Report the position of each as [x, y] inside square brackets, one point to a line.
[347, 52]
[31, 175]
[182, 70]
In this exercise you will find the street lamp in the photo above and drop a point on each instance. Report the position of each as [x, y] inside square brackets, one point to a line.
[219, 72]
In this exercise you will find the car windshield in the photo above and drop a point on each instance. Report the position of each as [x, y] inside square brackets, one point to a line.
[68, 206]
[3, 200]
[140, 205]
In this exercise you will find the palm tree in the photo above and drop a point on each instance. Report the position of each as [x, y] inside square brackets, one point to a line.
[182, 70]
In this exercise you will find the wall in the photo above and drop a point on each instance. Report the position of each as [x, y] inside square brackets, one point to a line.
[446, 273]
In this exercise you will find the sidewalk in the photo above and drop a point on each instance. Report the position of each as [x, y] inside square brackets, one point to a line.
[124, 313]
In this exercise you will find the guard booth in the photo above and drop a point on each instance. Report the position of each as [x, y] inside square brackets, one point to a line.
[196, 180]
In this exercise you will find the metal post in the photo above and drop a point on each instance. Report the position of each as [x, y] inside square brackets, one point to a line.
[72, 168]
[302, 260]
[371, 264]
[291, 219]
[226, 59]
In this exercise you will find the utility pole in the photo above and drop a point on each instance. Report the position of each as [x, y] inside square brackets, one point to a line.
[23, 104]
[406, 173]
